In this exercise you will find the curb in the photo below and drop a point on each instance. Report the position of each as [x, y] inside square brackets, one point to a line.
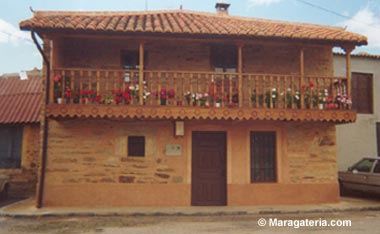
[184, 214]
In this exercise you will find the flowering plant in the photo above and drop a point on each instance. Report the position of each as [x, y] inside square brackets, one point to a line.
[310, 95]
[292, 97]
[264, 98]
[164, 95]
[88, 95]
[188, 97]
[58, 86]
[323, 95]
[134, 91]
[118, 96]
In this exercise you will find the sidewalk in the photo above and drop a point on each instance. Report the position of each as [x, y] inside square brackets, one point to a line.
[25, 208]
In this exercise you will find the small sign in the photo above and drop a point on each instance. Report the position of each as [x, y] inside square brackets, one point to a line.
[173, 150]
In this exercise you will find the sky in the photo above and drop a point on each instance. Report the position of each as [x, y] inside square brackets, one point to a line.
[18, 53]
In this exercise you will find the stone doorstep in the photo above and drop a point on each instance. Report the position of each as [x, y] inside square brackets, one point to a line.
[26, 209]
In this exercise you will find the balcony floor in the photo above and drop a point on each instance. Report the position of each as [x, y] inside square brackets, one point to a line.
[185, 112]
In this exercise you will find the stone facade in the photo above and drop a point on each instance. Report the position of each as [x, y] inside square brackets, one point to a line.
[87, 161]
[23, 180]
[78, 164]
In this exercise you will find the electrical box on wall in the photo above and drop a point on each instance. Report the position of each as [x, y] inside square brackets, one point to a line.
[173, 150]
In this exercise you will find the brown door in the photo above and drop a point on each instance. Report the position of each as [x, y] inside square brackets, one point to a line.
[208, 186]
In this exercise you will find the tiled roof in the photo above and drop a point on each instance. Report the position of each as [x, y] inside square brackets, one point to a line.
[185, 23]
[20, 100]
[360, 55]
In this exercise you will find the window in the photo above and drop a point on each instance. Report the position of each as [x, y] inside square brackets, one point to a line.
[361, 92]
[364, 165]
[10, 147]
[130, 60]
[224, 58]
[377, 167]
[136, 146]
[263, 157]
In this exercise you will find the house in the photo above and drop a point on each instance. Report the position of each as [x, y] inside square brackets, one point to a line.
[20, 102]
[181, 108]
[362, 138]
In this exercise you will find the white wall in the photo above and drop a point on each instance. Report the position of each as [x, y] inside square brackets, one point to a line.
[357, 140]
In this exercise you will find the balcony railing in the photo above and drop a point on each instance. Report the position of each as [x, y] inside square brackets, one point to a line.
[199, 89]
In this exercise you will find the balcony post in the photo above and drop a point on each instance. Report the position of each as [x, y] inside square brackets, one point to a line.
[302, 76]
[240, 71]
[141, 73]
[348, 51]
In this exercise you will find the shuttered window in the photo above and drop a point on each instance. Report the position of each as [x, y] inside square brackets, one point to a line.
[10, 147]
[361, 92]
[263, 157]
[136, 146]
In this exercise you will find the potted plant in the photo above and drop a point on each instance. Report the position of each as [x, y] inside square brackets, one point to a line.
[188, 97]
[271, 93]
[322, 98]
[58, 88]
[218, 101]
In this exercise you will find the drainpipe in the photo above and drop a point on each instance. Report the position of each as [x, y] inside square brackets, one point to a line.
[44, 122]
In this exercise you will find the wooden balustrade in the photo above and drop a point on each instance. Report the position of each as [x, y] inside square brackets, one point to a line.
[200, 89]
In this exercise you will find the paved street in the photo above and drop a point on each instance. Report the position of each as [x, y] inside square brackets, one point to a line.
[362, 222]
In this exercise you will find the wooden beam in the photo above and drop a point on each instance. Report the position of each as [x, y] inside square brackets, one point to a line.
[240, 71]
[302, 76]
[166, 38]
[196, 112]
[141, 73]
[348, 51]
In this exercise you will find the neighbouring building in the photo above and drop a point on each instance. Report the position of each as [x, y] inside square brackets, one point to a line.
[20, 102]
[181, 108]
[362, 138]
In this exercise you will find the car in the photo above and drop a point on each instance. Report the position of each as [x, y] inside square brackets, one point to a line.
[4, 187]
[363, 176]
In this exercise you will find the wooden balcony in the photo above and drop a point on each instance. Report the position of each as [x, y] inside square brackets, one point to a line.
[197, 95]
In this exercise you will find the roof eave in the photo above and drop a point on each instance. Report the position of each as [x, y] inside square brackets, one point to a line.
[43, 30]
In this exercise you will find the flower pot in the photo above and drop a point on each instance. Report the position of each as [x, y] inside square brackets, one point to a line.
[321, 106]
[163, 102]
[60, 100]
[218, 105]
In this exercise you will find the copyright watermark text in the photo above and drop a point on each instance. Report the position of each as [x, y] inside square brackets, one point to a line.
[297, 223]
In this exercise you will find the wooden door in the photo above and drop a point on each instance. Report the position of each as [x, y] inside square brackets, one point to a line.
[208, 186]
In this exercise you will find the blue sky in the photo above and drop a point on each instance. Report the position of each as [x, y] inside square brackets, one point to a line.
[17, 52]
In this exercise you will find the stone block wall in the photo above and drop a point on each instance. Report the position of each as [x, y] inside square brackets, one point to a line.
[89, 151]
[311, 152]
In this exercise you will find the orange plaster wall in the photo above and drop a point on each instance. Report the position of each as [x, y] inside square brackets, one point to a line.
[87, 195]
[282, 194]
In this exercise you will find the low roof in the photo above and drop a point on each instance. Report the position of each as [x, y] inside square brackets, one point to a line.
[20, 100]
[186, 23]
[361, 55]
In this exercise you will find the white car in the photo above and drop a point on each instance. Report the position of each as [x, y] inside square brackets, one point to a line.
[4, 187]
[364, 176]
